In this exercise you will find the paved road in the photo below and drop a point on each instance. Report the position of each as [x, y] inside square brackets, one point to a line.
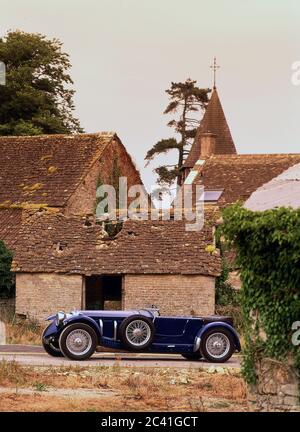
[36, 356]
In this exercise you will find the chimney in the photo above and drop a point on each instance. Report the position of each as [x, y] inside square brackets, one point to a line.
[208, 144]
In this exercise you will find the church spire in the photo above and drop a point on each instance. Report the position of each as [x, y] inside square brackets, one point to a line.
[213, 121]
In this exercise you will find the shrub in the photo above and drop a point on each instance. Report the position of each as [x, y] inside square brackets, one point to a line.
[7, 279]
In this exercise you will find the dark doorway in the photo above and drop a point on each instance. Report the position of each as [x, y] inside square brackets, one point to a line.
[103, 292]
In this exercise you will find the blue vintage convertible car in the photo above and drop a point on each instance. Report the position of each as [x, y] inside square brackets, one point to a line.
[76, 335]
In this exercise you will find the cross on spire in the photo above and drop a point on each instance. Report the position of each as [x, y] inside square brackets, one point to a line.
[215, 67]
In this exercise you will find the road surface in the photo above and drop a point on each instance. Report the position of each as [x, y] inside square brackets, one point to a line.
[36, 356]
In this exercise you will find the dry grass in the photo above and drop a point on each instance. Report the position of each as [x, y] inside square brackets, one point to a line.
[24, 332]
[120, 389]
[20, 331]
[12, 373]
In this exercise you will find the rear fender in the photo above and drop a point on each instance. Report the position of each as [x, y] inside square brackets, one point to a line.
[213, 325]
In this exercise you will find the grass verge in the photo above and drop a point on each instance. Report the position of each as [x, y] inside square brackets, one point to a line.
[115, 388]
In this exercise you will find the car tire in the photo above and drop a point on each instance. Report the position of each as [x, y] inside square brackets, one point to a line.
[78, 341]
[136, 332]
[192, 356]
[217, 345]
[51, 348]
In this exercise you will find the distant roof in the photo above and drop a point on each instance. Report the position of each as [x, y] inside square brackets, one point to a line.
[240, 175]
[65, 245]
[47, 169]
[281, 191]
[213, 121]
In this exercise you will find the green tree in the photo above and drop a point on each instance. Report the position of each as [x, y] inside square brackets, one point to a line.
[185, 99]
[6, 276]
[37, 98]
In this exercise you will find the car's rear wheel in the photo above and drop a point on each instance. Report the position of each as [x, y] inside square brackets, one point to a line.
[51, 347]
[192, 356]
[217, 345]
[78, 341]
[136, 332]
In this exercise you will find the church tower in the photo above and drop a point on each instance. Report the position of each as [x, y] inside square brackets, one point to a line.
[213, 135]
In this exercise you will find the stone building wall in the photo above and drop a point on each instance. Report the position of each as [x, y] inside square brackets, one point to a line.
[277, 387]
[173, 294]
[41, 294]
[84, 198]
[7, 308]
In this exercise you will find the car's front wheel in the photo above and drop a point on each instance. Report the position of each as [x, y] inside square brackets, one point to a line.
[78, 341]
[217, 345]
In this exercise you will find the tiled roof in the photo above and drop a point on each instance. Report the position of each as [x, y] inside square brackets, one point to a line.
[141, 247]
[10, 226]
[241, 175]
[46, 169]
[213, 121]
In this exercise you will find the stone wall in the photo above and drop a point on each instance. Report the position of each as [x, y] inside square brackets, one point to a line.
[173, 294]
[41, 294]
[234, 280]
[84, 198]
[276, 388]
[7, 308]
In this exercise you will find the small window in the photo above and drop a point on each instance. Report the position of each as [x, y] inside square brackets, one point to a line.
[211, 196]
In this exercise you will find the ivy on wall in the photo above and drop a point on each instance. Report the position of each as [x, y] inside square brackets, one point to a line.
[225, 293]
[268, 254]
[114, 177]
[111, 227]
[113, 181]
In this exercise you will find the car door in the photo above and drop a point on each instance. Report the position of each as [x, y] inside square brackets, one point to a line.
[170, 329]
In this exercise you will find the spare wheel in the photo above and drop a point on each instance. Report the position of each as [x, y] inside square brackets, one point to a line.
[136, 332]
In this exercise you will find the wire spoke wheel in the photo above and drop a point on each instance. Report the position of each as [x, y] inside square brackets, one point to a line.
[138, 332]
[78, 342]
[217, 345]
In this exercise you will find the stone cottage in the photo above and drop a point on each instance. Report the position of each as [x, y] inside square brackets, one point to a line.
[64, 259]
[61, 262]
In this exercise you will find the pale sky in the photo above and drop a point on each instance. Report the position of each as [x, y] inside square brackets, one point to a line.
[125, 53]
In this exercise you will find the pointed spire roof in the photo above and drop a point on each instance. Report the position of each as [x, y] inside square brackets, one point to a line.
[213, 121]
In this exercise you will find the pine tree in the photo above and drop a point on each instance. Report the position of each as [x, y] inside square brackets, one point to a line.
[185, 99]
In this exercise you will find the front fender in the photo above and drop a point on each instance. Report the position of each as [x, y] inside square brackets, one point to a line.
[53, 331]
[217, 324]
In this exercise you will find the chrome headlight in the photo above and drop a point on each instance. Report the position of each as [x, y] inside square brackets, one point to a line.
[59, 318]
